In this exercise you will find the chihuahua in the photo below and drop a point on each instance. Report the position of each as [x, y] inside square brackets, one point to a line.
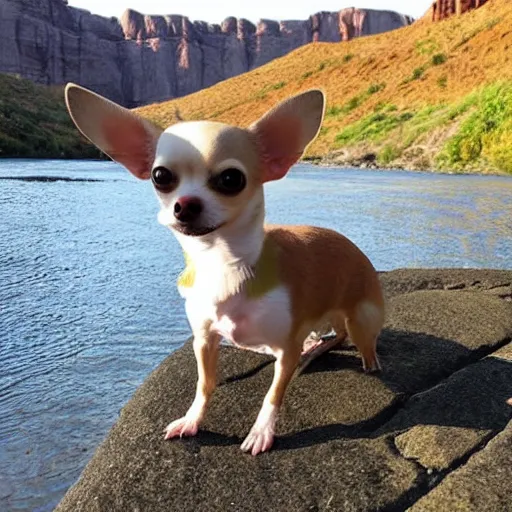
[262, 288]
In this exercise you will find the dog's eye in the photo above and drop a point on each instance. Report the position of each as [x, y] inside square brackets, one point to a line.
[229, 182]
[164, 179]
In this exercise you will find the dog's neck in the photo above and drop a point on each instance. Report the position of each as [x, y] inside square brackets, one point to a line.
[224, 260]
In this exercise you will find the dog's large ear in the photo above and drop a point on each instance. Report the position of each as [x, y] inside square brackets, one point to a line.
[124, 136]
[284, 132]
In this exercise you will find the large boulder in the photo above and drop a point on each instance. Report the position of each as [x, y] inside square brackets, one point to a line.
[415, 434]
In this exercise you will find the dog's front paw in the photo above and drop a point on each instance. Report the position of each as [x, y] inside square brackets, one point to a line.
[183, 427]
[260, 439]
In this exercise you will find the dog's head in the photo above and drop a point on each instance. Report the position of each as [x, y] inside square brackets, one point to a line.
[208, 176]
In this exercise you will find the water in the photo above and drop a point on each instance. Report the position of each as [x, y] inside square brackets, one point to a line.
[88, 305]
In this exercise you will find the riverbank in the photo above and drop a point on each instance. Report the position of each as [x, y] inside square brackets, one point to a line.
[369, 162]
[432, 431]
[366, 162]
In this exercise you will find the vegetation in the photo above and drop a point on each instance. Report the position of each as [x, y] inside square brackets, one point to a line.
[485, 136]
[432, 95]
[438, 59]
[34, 122]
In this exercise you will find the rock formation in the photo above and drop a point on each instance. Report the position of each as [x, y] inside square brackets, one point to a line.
[140, 59]
[431, 432]
[442, 9]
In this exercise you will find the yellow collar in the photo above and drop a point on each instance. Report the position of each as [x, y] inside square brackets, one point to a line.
[265, 272]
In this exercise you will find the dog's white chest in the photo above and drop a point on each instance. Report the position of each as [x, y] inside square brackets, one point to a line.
[261, 324]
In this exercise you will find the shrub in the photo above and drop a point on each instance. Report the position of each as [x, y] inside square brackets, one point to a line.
[333, 111]
[439, 58]
[426, 47]
[418, 73]
[485, 133]
[374, 88]
[262, 94]
[352, 103]
[388, 153]
[34, 122]
[277, 86]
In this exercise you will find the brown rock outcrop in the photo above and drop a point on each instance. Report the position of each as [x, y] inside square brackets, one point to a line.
[140, 59]
[442, 9]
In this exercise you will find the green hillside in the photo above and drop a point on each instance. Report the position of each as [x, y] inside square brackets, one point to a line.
[34, 122]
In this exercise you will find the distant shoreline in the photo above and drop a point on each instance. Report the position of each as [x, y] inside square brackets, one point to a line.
[325, 162]
[317, 162]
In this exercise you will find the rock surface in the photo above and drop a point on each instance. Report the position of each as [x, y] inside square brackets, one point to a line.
[416, 434]
[141, 59]
[442, 9]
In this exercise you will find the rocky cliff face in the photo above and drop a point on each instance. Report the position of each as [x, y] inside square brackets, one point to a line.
[445, 8]
[142, 59]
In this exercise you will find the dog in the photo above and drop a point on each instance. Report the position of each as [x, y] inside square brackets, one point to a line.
[263, 288]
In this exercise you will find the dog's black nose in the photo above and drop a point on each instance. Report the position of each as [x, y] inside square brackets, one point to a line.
[188, 208]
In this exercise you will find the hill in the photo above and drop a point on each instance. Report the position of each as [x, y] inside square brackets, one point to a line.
[34, 122]
[427, 96]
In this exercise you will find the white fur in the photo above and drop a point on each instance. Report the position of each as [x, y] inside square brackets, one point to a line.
[223, 259]
[261, 325]
[261, 435]
[184, 148]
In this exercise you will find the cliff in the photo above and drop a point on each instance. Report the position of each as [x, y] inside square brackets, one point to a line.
[431, 432]
[442, 9]
[143, 59]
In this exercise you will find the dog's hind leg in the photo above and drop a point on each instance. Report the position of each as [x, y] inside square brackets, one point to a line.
[363, 326]
[316, 346]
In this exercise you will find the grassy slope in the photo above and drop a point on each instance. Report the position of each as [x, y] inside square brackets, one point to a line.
[425, 96]
[34, 122]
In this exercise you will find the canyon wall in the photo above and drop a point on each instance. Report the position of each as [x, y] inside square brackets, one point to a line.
[141, 59]
[443, 9]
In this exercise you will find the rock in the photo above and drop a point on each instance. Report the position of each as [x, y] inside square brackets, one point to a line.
[481, 484]
[132, 24]
[351, 23]
[405, 281]
[437, 447]
[141, 59]
[452, 419]
[229, 25]
[325, 26]
[346, 440]
[442, 9]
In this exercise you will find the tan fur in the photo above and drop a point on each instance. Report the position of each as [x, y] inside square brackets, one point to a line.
[326, 272]
[330, 279]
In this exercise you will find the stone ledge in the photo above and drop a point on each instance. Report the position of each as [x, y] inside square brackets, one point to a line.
[346, 441]
[481, 484]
